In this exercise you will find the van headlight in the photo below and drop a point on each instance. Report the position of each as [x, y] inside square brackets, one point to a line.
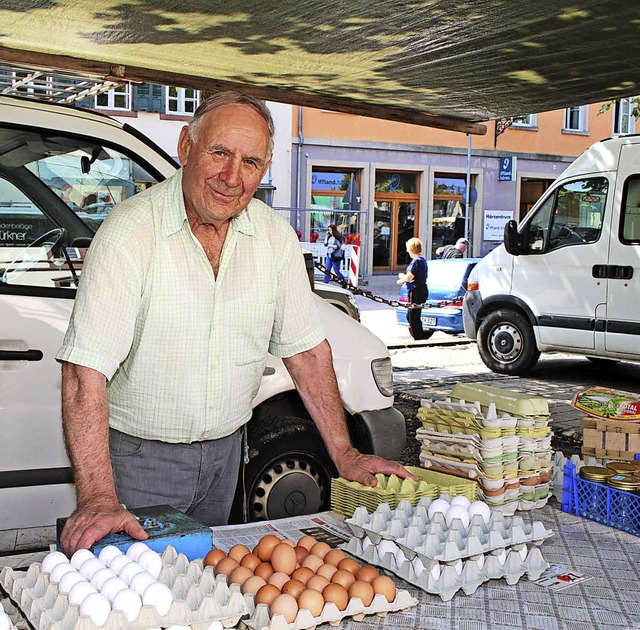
[382, 371]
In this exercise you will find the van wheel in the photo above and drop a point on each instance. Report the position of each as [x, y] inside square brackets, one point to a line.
[288, 474]
[506, 343]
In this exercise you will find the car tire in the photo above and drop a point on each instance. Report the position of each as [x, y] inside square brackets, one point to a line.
[506, 343]
[288, 474]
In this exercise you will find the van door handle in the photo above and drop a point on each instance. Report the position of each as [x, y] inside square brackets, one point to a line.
[21, 355]
[613, 272]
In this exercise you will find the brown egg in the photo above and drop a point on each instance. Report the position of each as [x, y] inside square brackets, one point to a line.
[336, 594]
[285, 605]
[343, 577]
[283, 558]
[252, 585]
[302, 574]
[317, 583]
[287, 541]
[349, 564]
[251, 561]
[237, 552]
[385, 586]
[312, 601]
[264, 570]
[293, 587]
[312, 562]
[326, 570]
[225, 566]
[367, 574]
[363, 591]
[213, 557]
[266, 594]
[307, 542]
[278, 579]
[320, 549]
[239, 575]
[265, 547]
[334, 556]
[301, 553]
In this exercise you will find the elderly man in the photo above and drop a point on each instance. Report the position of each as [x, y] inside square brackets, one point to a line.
[160, 364]
[453, 251]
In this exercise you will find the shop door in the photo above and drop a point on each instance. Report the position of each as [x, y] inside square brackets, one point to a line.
[394, 223]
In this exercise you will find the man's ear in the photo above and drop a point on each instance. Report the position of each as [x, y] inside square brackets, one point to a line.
[184, 145]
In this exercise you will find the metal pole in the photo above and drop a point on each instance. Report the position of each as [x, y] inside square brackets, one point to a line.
[467, 217]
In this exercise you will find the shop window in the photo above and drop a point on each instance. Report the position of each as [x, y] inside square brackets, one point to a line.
[449, 210]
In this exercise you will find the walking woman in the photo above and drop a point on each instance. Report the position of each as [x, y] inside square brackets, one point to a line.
[415, 277]
[335, 252]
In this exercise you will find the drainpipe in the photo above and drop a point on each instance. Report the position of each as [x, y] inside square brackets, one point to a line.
[467, 217]
[299, 167]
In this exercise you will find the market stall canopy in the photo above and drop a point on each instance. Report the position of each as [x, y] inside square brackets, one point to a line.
[431, 62]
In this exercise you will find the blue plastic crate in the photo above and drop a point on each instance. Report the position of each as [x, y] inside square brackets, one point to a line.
[599, 502]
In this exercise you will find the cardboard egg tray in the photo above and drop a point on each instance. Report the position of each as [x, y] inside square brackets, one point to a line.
[443, 559]
[259, 618]
[346, 496]
[199, 599]
[10, 610]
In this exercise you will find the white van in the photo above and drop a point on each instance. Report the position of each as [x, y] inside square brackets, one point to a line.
[61, 170]
[568, 277]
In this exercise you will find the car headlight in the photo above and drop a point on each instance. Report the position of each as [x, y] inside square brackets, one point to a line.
[382, 371]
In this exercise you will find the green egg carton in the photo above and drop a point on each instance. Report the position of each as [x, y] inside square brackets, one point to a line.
[533, 432]
[505, 400]
[346, 496]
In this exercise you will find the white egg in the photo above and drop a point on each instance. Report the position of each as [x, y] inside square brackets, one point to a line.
[435, 571]
[439, 505]
[386, 546]
[58, 571]
[151, 562]
[97, 607]
[69, 580]
[140, 581]
[481, 508]
[5, 621]
[89, 567]
[461, 501]
[159, 596]
[112, 587]
[79, 591]
[129, 571]
[128, 602]
[400, 557]
[80, 557]
[457, 512]
[136, 550]
[366, 542]
[108, 554]
[52, 560]
[118, 563]
[101, 576]
[418, 567]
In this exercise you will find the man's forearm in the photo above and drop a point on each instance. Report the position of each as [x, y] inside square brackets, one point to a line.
[85, 420]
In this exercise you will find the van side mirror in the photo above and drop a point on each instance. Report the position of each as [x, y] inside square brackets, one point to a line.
[511, 240]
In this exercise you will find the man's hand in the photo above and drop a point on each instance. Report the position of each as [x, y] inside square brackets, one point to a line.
[92, 522]
[355, 466]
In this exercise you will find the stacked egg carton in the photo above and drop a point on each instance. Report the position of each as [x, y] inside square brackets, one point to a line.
[6, 621]
[346, 495]
[181, 593]
[509, 454]
[259, 618]
[442, 556]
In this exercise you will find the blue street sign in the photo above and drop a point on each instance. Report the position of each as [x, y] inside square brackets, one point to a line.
[507, 171]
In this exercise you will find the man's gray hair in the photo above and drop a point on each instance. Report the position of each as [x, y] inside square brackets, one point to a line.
[231, 98]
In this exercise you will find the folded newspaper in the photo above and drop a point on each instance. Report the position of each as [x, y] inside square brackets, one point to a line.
[609, 404]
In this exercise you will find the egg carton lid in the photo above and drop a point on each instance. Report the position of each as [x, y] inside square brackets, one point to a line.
[467, 575]
[259, 618]
[199, 598]
[515, 403]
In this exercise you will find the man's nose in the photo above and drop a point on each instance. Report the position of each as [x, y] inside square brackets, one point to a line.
[231, 172]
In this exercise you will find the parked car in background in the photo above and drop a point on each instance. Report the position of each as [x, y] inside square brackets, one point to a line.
[447, 284]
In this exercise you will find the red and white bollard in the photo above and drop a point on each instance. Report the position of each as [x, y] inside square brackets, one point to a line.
[354, 265]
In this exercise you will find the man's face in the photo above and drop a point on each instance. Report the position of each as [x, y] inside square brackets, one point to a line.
[224, 163]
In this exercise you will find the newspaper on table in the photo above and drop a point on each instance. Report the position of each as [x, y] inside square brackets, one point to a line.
[326, 527]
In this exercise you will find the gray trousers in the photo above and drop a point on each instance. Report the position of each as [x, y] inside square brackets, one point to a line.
[198, 479]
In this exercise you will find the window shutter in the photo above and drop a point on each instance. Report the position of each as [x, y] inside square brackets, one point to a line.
[148, 97]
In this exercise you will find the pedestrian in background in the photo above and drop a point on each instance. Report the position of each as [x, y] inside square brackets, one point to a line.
[453, 251]
[415, 278]
[335, 252]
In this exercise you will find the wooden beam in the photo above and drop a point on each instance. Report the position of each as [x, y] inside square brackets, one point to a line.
[115, 72]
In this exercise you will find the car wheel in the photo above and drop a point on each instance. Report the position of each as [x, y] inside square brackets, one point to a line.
[506, 343]
[288, 474]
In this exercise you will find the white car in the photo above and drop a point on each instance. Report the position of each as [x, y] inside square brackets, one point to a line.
[61, 170]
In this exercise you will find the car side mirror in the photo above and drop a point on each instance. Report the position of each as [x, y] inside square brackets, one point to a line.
[511, 240]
